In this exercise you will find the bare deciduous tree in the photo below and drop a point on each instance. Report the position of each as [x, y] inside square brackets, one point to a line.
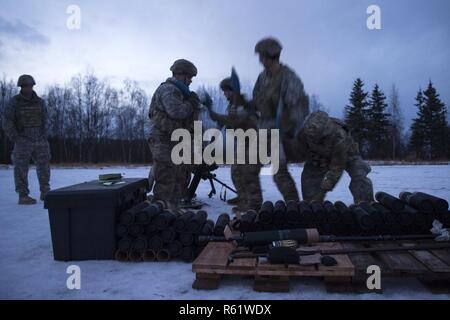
[396, 122]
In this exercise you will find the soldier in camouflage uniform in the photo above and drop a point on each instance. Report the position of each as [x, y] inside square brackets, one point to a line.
[172, 107]
[245, 177]
[331, 150]
[281, 102]
[25, 124]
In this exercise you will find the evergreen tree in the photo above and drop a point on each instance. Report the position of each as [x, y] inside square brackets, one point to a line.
[418, 127]
[356, 112]
[448, 141]
[378, 125]
[438, 125]
[430, 129]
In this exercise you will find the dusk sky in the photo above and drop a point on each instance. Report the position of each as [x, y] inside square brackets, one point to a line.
[326, 42]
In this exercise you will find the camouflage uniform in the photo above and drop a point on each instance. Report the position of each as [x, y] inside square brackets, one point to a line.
[282, 103]
[331, 150]
[245, 177]
[169, 110]
[25, 124]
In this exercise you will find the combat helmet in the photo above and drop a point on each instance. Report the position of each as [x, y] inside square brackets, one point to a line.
[25, 80]
[183, 66]
[269, 47]
[317, 125]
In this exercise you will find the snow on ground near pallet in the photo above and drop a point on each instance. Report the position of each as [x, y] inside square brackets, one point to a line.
[28, 271]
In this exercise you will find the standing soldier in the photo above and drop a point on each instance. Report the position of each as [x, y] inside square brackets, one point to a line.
[281, 102]
[245, 177]
[173, 106]
[331, 150]
[25, 124]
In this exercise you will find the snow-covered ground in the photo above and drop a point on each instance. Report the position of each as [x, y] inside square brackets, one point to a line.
[28, 271]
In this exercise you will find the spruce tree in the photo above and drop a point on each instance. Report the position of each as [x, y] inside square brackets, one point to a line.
[429, 137]
[438, 125]
[419, 126]
[378, 125]
[356, 113]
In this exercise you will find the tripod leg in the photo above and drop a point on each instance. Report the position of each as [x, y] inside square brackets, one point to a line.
[224, 185]
[213, 188]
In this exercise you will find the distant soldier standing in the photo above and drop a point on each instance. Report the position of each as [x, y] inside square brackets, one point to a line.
[25, 124]
[173, 106]
[330, 151]
[245, 177]
[281, 101]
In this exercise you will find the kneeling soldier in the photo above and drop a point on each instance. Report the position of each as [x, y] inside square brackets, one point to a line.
[330, 151]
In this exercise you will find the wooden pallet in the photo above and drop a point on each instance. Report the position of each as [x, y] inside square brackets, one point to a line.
[213, 264]
[431, 267]
[349, 275]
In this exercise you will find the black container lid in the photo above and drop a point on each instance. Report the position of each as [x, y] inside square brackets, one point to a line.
[93, 191]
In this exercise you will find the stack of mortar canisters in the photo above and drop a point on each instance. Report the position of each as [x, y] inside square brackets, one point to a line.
[151, 232]
[411, 213]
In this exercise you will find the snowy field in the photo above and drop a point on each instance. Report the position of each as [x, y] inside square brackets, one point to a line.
[28, 271]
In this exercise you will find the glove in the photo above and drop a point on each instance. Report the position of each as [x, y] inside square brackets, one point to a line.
[207, 101]
[194, 100]
[209, 108]
[327, 185]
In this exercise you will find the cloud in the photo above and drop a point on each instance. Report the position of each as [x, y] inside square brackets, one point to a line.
[23, 32]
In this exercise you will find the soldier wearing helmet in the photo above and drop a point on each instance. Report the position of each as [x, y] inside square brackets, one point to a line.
[173, 106]
[245, 177]
[281, 102]
[184, 67]
[331, 150]
[25, 124]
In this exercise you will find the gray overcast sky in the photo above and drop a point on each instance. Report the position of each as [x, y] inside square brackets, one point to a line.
[326, 42]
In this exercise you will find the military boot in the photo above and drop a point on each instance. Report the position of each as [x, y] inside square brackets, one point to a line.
[26, 200]
[191, 204]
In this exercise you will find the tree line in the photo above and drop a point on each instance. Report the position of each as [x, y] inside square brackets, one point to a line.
[92, 122]
[376, 123]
